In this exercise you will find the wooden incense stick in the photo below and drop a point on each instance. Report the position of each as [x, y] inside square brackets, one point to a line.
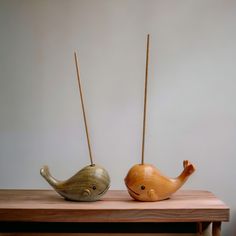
[82, 103]
[145, 99]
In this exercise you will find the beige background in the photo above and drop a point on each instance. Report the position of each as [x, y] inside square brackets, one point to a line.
[191, 100]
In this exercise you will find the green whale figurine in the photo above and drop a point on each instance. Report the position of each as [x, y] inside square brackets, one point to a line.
[88, 184]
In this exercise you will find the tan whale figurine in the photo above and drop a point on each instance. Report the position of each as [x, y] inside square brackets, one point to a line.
[88, 184]
[146, 183]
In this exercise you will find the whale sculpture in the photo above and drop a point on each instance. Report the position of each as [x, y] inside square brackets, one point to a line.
[145, 182]
[88, 184]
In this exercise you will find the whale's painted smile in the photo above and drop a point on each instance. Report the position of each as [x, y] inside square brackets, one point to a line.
[131, 190]
[104, 190]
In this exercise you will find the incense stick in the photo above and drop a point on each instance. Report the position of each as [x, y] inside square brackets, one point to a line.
[82, 104]
[145, 100]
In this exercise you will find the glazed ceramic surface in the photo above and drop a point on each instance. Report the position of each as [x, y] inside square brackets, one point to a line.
[146, 183]
[89, 184]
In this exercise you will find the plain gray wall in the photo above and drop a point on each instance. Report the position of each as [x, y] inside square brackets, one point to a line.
[191, 93]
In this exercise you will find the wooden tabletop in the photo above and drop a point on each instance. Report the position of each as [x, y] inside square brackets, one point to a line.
[115, 206]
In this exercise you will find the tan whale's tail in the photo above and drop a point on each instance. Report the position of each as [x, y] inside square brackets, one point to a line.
[50, 179]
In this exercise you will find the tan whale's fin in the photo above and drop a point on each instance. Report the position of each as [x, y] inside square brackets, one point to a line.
[152, 195]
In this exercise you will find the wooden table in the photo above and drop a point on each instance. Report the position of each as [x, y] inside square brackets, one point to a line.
[45, 211]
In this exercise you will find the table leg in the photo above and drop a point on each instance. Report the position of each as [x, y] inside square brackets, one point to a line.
[199, 228]
[216, 228]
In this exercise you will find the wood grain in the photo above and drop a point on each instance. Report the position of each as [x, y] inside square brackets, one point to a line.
[115, 206]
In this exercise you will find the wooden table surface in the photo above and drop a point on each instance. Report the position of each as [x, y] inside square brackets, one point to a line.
[115, 206]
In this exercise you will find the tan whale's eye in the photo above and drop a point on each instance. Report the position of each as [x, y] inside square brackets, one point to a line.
[94, 187]
[142, 187]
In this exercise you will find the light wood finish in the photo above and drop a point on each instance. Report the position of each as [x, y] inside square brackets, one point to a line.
[147, 183]
[145, 99]
[44, 206]
[115, 206]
